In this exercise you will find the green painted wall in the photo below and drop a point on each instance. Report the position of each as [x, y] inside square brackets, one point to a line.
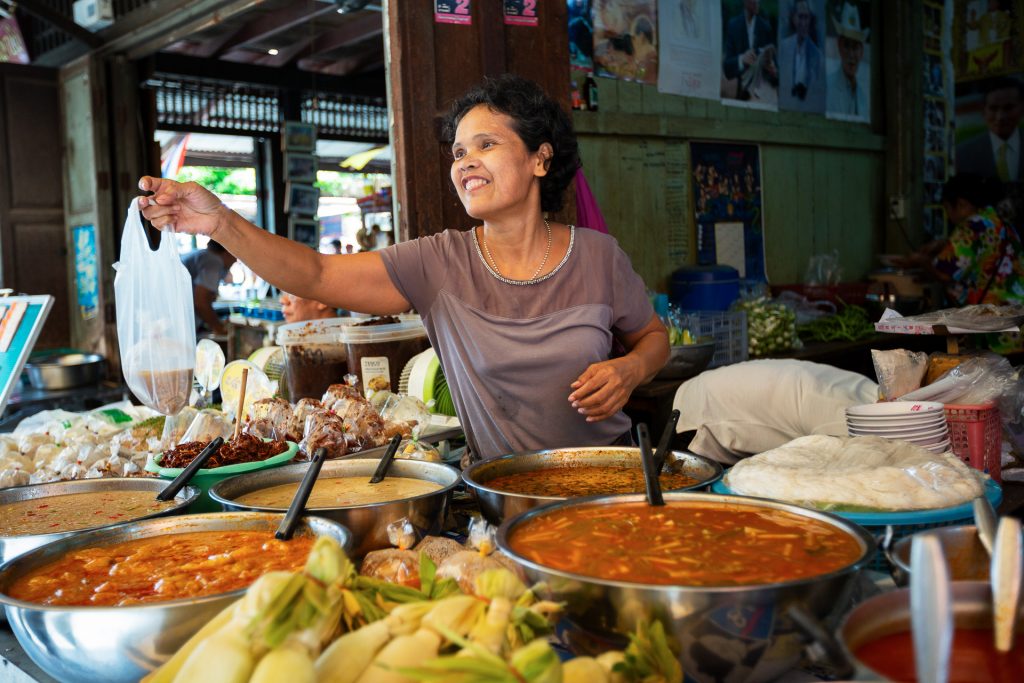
[824, 181]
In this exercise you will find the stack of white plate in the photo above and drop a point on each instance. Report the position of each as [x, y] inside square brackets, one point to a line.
[922, 423]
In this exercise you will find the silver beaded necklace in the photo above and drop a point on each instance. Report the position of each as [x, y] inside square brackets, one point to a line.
[492, 267]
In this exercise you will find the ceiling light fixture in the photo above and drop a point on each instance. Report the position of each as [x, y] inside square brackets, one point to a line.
[272, 51]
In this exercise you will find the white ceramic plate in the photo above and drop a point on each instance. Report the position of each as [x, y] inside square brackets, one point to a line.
[915, 432]
[895, 425]
[894, 409]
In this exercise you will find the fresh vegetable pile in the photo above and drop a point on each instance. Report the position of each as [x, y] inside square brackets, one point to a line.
[679, 337]
[771, 327]
[849, 324]
[287, 626]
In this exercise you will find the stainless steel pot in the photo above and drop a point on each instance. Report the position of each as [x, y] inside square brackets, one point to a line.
[368, 523]
[889, 613]
[65, 371]
[966, 556]
[115, 644]
[12, 546]
[741, 634]
[498, 506]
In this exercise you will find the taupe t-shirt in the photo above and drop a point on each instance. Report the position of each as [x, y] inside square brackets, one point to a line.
[510, 352]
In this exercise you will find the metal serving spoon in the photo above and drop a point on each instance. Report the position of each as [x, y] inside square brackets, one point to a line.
[1005, 570]
[931, 610]
[985, 520]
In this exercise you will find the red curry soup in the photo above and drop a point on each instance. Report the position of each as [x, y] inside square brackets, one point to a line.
[684, 544]
[75, 511]
[974, 657]
[586, 480]
[161, 568]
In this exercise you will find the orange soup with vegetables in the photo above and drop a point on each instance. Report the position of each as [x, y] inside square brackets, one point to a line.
[684, 544]
[161, 568]
[74, 511]
[588, 480]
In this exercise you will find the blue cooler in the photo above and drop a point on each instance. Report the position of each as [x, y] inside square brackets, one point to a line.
[705, 288]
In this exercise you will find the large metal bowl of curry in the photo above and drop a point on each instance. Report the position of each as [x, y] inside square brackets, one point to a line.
[84, 644]
[46, 494]
[740, 633]
[499, 504]
[367, 522]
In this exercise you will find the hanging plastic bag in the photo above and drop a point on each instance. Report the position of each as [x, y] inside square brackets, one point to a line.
[156, 326]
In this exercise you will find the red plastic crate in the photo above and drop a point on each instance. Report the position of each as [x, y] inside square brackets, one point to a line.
[976, 436]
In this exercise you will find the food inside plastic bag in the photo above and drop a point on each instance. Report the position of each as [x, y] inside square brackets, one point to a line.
[155, 319]
[465, 566]
[439, 548]
[269, 419]
[975, 380]
[324, 430]
[176, 425]
[402, 534]
[297, 424]
[207, 426]
[938, 365]
[414, 449]
[406, 410]
[393, 565]
[898, 371]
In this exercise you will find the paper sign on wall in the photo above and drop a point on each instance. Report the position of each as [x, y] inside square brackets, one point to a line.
[521, 12]
[452, 12]
[87, 276]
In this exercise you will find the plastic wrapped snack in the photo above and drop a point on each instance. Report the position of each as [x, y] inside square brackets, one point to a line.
[339, 396]
[207, 426]
[324, 430]
[401, 408]
[414, 449]
[269, 419]
[176, 425]
[402, 534]
[465, 566]
[439, 548]
[899, 371]
[303, 409]
[393, 565]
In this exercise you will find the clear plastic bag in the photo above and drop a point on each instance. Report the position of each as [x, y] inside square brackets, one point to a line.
[155, 319]
[899, 371]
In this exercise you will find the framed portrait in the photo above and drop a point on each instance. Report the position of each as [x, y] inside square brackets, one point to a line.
[301, 199]
[304, 231]
[300, 166]
[298, 137]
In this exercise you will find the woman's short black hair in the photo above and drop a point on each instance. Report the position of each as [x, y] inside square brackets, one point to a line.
[536, 118]
[978, 190]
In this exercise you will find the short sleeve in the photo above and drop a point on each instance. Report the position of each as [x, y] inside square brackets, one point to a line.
[418, 267]
[631, 308]
[209, 274]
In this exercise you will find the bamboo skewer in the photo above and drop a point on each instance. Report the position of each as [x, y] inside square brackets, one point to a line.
[241, 403]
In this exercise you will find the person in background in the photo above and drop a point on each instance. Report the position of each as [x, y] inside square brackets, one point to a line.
[522, 310]
[350, 249]
[297, 309]
[846, 94]
[207, 268]
[996, 153]
[335, 247]
[801, 64]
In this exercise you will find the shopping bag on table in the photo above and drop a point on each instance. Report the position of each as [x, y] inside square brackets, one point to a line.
[156, 327]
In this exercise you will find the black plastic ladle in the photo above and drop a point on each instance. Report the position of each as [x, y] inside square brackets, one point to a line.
[178, 483]
[291, 518]
[651, 473]
[661, 453]
[385, 462]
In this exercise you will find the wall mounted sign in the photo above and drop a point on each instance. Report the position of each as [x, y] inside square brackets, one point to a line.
[87, 276]
[521, 12]
[452, 12]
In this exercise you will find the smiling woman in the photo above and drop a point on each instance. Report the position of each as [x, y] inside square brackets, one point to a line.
[522, 311]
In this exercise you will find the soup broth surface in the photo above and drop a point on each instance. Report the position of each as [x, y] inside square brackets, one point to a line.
[684, 544]
[75, 511]
[974, 658]
[341, 492]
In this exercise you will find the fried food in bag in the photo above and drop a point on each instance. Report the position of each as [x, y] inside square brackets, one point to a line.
[324, 430]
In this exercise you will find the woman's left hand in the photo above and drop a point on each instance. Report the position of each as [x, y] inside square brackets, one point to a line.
[603, 388]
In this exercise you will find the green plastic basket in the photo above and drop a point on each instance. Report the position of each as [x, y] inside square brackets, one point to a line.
[207, 478]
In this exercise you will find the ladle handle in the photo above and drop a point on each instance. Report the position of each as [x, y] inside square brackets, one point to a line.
[931, 609]
[666, 438]
[186, 475]
[651, 473]
[985, 520]
[385, 462]
[294, 514]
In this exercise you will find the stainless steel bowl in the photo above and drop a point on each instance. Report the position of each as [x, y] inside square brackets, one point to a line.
[12, 546]
[65, 371]
[688, 360]
[114, 644]
[889, 613]
[966, 556]
[498, 505]
[368, 523]
[742, 634]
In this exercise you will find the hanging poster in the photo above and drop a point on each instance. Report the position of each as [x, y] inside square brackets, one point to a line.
[750, 70]
[988, 38]
[626, 39]
[989, 114]
[12, 45]
[521, 12]
[802, 56]
[727, 197]
[848, 60]
[689, 46]
[87, 275]
[452, 12]
[581, 35]
[938, 111]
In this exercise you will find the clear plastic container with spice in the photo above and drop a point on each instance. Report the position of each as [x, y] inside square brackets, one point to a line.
[315, 358]
[378, 350]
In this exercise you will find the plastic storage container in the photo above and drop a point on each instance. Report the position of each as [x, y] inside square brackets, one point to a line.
[377, 354]
[705, 288]
[314, 359]
[976, 436]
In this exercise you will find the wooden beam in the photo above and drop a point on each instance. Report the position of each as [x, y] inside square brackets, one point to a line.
[65, 24]
[276, 22]
[360, 28]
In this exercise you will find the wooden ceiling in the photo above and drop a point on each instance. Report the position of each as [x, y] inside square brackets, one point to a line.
[330, 37]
